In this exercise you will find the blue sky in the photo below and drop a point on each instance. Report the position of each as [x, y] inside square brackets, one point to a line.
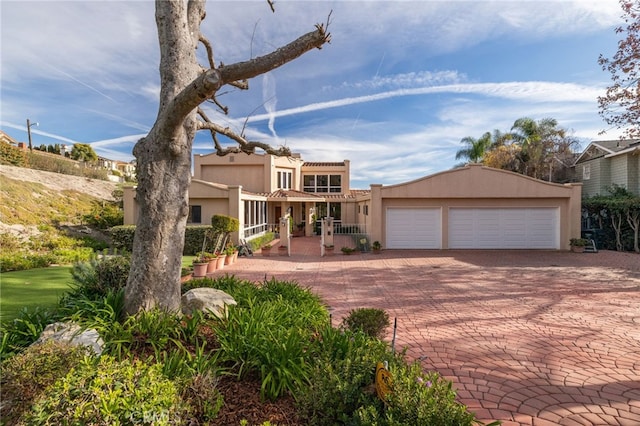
[396, 90]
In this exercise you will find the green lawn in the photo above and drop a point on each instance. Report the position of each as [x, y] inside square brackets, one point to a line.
[38, 287]
[33, 287]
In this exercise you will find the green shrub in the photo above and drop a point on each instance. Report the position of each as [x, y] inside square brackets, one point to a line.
[193, 237]
[26, 376]
[95, 245]
[263, 340]
[106, 391]
[258, 242]
[71, 255]
[223, 224]
[417, 399]
[371, 321]
[100, 313]
[268, 332]
[104, 215]
[341, 378]
[12, 155]
[96, 277]
[9, 242]
[24, 330]
[122, 236]
[20, 261]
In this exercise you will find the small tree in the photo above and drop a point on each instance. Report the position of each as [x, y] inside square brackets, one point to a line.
[621, 207]
[83, 152]
[620, 106]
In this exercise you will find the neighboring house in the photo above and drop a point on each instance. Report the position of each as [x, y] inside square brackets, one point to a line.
[605, 163]
[123, 169]
[469, 207]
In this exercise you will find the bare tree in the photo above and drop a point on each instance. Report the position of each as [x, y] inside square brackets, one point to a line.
[620, 106]
[164, 155]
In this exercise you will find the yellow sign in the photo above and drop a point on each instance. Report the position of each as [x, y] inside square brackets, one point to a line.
[383, 382]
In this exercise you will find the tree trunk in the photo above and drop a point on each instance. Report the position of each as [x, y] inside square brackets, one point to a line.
[633, 219]
[164, 155]
[616, 222]
[164, 168]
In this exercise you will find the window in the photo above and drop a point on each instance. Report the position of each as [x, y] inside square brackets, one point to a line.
[195, 214]
[284, 180]
[586, 171]
[255, 217]
[334, 183]
[322, 183]
[309, 183]
[335, 211]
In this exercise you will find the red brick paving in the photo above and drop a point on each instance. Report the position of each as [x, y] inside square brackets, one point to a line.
[531, 338]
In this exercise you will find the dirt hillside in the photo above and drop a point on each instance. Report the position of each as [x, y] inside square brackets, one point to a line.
[57, 181]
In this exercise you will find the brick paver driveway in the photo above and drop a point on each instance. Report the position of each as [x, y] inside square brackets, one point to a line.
[528, 337]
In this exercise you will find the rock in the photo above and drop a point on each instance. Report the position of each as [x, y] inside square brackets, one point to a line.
[207, 300]
[72, 334]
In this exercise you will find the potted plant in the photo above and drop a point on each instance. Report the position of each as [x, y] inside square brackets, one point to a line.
[347, 250]
[328, 249]
[220, 258]
[200, 265]
[578, 244]
[210, 259]
[282, 250]
[231, 252]
[266, 250]
[376, 247]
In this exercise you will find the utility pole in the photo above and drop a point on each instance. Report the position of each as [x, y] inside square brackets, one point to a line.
[29, 124]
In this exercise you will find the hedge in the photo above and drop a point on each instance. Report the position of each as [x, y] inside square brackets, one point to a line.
[122, 238]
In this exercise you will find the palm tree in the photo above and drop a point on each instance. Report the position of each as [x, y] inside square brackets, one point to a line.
[475, 148]
[538, 141]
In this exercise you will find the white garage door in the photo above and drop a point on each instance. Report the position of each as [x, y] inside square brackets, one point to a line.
[418, 228]
[517, 228]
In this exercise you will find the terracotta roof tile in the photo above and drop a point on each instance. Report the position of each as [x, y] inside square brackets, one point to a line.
[321, 164]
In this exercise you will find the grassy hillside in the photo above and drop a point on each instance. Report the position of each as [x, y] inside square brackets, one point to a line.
[29, 203]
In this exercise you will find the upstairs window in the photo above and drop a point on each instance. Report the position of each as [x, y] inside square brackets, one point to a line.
[586, 172]
[322, 183]
[284, 180]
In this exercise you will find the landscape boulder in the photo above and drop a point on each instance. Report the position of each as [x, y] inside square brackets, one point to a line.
[72, 334]
[207, 300]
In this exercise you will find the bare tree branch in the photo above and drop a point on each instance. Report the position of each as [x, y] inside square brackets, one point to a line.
[207, 83]
[244, 145]
[207, 46]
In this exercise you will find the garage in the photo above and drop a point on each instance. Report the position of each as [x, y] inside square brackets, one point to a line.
[474, 207]
[504, 228]
[414, 228]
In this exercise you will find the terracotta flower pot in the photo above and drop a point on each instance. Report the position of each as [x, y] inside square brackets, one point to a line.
[220, 259]
[212, 265]
[200, 270]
